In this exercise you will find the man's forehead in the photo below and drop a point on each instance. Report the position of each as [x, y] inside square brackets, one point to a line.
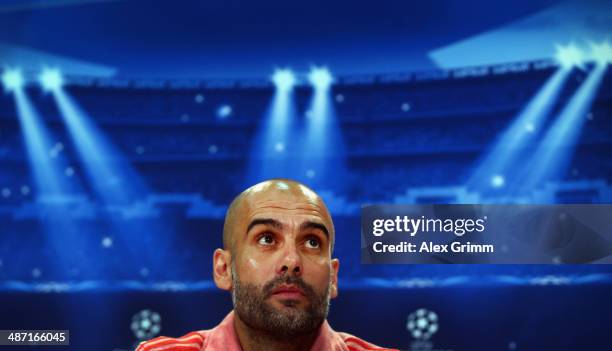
[287, 212]
[281, 189]
[279, 198]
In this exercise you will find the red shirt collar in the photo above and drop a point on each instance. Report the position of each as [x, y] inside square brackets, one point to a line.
[224, 337]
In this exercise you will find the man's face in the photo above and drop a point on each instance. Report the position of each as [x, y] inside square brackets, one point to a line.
[282, 272]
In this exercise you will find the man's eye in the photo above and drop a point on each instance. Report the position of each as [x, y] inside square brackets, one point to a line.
[266, 239]
[313, 243]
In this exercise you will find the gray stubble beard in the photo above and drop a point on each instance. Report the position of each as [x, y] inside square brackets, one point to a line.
[251, 305]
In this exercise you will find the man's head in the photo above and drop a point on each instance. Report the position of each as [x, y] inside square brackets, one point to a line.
[278, 239]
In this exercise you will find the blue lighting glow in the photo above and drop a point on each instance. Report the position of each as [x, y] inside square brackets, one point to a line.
[116, 185]
[104, 165]
[513, 143]
[12, 79]
[271, 157]
[601, 53]
[51, 79]
[46, 171]
[498, 181]
[224, 111]
[323, 150]
[554, 153]
[279, 147]
[569, 56]
[53, 191]
[320, 77]
[284, 79]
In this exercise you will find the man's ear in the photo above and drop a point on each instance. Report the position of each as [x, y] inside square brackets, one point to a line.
[335, 266]
[222, 272]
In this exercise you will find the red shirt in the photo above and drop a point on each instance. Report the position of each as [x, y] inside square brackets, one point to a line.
[223, 337]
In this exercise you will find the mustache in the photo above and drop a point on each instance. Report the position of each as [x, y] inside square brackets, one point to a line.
[289, 280]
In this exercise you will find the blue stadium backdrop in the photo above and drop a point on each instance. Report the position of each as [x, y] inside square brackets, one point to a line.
[126, 128]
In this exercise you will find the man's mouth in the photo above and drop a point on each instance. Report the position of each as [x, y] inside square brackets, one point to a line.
[288, 292]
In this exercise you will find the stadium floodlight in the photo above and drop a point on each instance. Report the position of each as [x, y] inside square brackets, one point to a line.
[498, 181]
[320, 77]
[12, 79]
[553, 156]
[601, 53]
[501, 165]
[51, 79]
[284, 79]
[276, 135]
[569, 56]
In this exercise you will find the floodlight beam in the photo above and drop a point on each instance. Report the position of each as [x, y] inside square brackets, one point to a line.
[51, 79]
[12, 79]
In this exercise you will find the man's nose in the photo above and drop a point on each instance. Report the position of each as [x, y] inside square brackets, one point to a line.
[291, 262]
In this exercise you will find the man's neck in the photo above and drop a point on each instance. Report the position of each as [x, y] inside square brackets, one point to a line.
[255, 340]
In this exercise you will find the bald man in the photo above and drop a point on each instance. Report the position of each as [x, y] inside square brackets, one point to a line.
[278, 238]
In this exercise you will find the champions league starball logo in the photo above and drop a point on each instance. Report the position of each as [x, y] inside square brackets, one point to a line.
[146, 324]
[422, 324]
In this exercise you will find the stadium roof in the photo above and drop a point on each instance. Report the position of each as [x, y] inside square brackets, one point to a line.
[246, 39]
